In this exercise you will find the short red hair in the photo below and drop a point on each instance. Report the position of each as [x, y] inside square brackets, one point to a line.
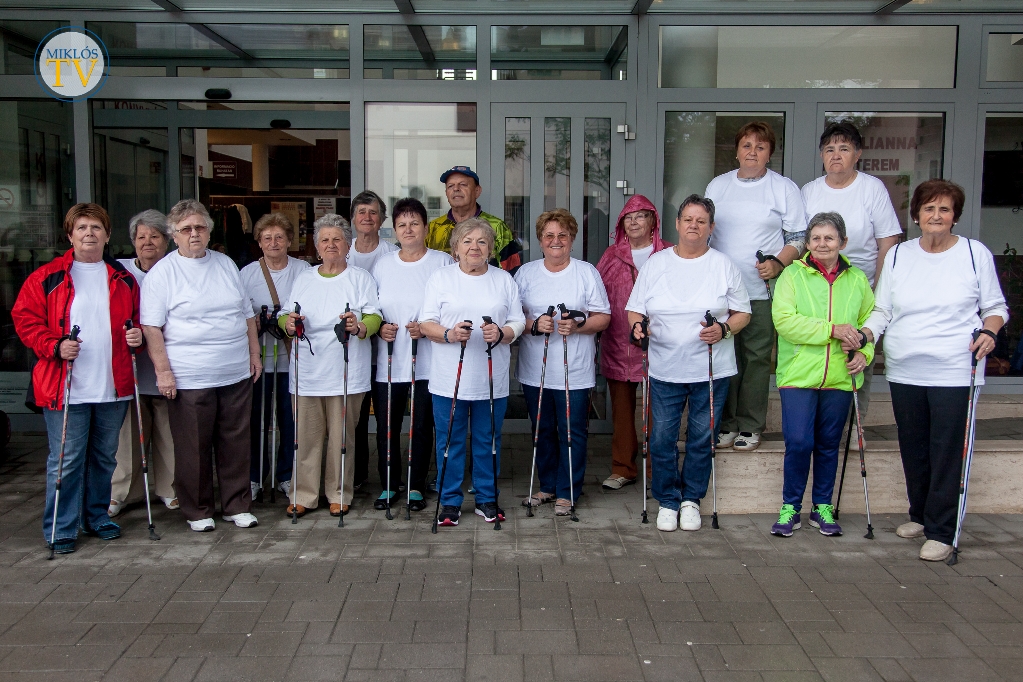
[931, 190]
[761, 130]
[94, 211]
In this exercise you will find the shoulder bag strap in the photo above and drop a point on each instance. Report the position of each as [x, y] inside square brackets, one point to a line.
[273, 296]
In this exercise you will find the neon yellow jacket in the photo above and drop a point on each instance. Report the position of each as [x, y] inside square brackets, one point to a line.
[805, 308]
[507, 251]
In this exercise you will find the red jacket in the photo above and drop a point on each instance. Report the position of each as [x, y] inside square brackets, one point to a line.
[42, 318]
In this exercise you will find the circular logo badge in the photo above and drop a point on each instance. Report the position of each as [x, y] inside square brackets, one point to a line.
[71, 63]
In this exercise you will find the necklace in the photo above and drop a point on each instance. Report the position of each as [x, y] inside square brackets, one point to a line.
[138, 264]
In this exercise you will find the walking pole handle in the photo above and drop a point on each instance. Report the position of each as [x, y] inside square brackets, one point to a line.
[976, 335]
[710, 319]
[644, 326]
[390, 344]
[73, 336]
[128, 325]
[469, 322]
[299, 325]
[491, 346]
[415, 346]
[578, 316]
[264, 319]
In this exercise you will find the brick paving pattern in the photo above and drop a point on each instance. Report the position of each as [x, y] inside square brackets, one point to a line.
[543, 599]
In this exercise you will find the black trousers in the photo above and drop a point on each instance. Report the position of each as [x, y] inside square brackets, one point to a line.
[422, 433]
[931, 421]
[362, 435]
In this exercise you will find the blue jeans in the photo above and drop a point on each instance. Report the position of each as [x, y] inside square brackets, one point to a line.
[483, 475]
[90, 454]
[285, 425]
[667, 400]
[552, 445]
[811, 422]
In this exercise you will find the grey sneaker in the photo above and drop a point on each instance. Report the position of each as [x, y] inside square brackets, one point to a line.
[910, 530]
[933, 550]
[615, 482]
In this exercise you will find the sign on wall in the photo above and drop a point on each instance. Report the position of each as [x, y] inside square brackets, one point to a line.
[71, 63]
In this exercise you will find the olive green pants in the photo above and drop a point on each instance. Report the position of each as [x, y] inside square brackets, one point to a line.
[746, 407]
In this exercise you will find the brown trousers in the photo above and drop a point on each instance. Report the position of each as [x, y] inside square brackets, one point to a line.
[205, 420]
[126, 485]
[319, 417]
[625, 445]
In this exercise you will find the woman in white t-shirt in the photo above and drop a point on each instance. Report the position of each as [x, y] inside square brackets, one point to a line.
[331, 295]
[932, 294]
[273, 233]
[674, 291]
[457, 299]
[401, 284]
[201, 335]
[559, 279]
[150, 234]
[757, 210]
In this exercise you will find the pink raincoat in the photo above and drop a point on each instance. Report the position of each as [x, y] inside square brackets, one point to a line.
[619, 359]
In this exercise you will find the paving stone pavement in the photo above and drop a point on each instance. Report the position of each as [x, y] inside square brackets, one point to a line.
[602, 599]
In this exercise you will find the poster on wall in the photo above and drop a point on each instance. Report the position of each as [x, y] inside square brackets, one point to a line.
[13, 388]
[295, 211]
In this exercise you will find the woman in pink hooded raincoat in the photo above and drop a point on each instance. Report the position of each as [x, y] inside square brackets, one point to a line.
[637, 235]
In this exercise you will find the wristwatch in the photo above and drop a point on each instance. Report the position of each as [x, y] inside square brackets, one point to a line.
[726, 331]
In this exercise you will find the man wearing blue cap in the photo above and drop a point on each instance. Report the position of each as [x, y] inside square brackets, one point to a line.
[462, 188]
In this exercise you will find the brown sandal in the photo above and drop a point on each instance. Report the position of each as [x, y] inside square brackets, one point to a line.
[297, 508]
[537, 499]
[562, 507]
[339, 510]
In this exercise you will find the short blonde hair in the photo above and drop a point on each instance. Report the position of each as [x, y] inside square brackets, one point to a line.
[273, 220]
[185, 208]
[468, 225]
[562, 217]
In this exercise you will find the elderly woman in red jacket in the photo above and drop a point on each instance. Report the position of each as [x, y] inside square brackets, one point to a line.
[82, 288]
[637, 236]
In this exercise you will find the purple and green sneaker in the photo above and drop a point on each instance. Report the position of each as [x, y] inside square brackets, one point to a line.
[788, 521]
[823, 517]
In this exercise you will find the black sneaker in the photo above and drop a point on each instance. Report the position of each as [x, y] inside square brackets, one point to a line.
[449, 515]
[490, 512]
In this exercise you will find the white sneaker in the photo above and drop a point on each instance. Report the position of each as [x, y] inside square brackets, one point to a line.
[911, 529]
[667, 520]
[255, 487]
[171, 503]
[746, 441]
[690, 516]
[933, 550]
[726, 438]
[285, 487]
[202, 525]
[115, 508]
[243, 520]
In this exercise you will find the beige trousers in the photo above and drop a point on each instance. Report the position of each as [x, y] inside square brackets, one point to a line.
[126, 485]
[319, 417]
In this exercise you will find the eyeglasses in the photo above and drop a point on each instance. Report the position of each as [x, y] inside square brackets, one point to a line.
[188, 229]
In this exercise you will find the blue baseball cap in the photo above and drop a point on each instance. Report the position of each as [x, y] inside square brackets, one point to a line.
[464, 170]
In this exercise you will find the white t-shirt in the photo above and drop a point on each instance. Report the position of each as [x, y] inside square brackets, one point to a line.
[868, 213]
[926, 305]
[203, 309]
[366, 261]
[259, 296]
[754, 216]
[579, 287]
[676, 294]
[147, 373]
[400, 288]
[92, 380]
[640, 256]
[453, 296]
[323, 301]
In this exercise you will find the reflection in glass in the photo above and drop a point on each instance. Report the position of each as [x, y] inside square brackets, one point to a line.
[559, 52]
[699, 146]
[516, 179]
[1005, 57]
[758, 56]
[408, 146]
[258, 72]
[405, 52]
[18, 42]
[902, 149]
[557, 162]
[1001, 217]
[186, 142]
[596, 187]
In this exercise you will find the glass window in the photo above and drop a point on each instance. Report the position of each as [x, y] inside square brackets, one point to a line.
[596, 187]
[312, 42]
[699, 146]
[408, 146]
[559, 52]
[36, 190]
[1001, 218]
[130, 42]
[557, 162]
[18, 42]
[1005, 57]
[264, 106]
[259, 72]
[807, 56]
[405, 52]
[516, 177]
[902, 149]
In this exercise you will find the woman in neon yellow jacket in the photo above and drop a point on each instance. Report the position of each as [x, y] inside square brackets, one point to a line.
[820, 303]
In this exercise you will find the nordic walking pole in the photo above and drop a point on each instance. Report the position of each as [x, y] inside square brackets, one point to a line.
[539, 414]
[142, 438]
[390, 354]
[262, 397]
[493, 433]
[411, 428]
[845, 459]
[343, 335]
[644, 345]
[569, 314]
[73, 336]
[863, 465]
[763, 258]
[447, 440]
[964, 474]
[713, 438]
[299, 333]
[273, 428]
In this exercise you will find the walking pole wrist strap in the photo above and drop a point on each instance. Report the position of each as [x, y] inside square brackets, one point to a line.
[273, 297]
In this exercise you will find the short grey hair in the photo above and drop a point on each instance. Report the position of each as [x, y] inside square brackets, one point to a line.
[831, 218]
[706, 203]
[152, 219]
[185, 208]
[332, 220]
[468, 225]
